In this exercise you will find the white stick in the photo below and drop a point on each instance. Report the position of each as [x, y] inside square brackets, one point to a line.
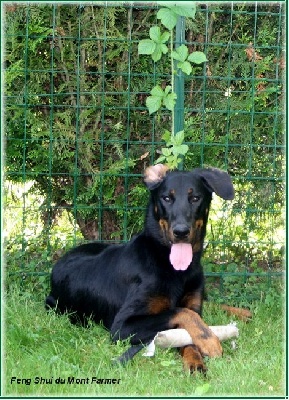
[180, 337]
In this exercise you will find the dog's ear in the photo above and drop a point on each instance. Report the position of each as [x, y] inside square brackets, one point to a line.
[217, 181]
[154, 175]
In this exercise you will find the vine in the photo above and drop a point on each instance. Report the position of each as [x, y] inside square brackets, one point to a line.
[156, 46]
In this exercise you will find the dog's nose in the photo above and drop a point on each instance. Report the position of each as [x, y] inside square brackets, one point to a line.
[181, 231]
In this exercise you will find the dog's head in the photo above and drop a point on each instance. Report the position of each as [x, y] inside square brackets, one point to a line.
[180, 205]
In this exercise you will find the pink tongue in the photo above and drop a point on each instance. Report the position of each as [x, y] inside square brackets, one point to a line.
[181, 256]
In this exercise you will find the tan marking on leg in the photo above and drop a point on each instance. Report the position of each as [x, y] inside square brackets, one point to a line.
[192, 359]
[242, 313]
[206, 341]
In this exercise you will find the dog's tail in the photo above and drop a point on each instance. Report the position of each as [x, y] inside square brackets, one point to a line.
[50, 302]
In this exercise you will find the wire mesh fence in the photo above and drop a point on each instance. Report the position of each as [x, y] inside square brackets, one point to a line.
[79, 134]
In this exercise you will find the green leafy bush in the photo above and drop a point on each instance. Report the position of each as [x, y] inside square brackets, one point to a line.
[78, 127]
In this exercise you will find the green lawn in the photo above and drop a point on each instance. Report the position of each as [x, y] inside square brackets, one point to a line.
[43, 345]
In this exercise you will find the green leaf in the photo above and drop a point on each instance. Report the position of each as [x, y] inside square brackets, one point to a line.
[159, 50]
[166, 152]
[155, 34]
[157, 54]
[170, 101]
[197, 57]
[167, 363]
[153, 103]
[146, 46]
[173, 162]
[165, 37]
[157, 91]
[182, 149]
[168, 89]
[164, 48]
[176, 150]
[168, 18]
[201, 390]
[155, 45]
[166, 136]
[161, 159]
[179, 137]
[185, 67]
[185, 11]
[176, 56]
[181, 53]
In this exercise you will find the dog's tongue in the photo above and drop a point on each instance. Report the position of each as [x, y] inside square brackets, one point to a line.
[181, 256]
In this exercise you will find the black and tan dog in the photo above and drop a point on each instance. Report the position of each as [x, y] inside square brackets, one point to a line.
[154, 282]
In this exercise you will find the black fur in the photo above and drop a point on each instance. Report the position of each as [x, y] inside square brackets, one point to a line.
[133, 288]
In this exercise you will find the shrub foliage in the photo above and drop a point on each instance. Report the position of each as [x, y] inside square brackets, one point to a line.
[78, 128]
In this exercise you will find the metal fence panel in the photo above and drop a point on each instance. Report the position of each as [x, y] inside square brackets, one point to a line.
[79, 134]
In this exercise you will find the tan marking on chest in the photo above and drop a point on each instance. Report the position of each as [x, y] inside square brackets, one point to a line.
[193, 301]
[158, 304]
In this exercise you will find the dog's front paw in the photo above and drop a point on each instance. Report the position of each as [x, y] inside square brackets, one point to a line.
[209, 346]
[192, 359]
[202, 336]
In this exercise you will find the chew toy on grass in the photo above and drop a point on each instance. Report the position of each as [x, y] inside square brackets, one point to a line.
[180, 337]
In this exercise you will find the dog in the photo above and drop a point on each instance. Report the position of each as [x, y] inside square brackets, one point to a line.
[155, 281]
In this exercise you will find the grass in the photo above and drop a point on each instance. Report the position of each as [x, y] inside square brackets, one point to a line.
[43, 345]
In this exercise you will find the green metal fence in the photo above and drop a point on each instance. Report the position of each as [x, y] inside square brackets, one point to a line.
[79, 135]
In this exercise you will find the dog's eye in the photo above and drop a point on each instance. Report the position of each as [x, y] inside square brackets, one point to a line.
[167, 199]
[194, 199]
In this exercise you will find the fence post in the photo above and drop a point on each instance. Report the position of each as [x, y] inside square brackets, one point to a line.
[179, 84]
